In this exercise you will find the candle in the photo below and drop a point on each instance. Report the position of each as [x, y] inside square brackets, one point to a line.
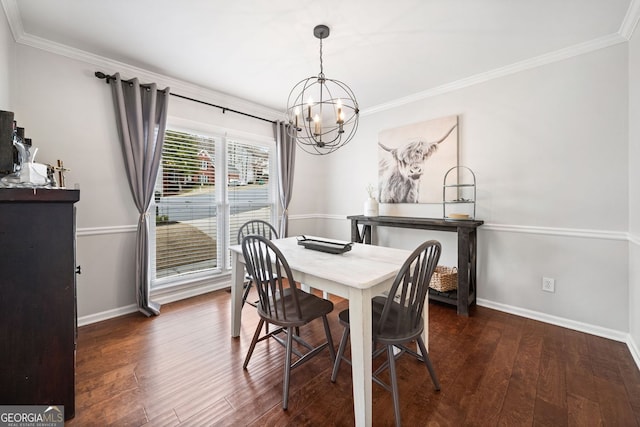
[309, 103]
[316, 120]
[297, 113]
[340, 115]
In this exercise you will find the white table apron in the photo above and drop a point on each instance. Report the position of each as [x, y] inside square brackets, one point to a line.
[358, 275]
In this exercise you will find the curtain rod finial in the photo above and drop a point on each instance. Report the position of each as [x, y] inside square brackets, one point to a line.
[101, 75]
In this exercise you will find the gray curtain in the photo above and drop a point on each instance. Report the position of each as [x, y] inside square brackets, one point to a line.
[286, 159]
[141, 113]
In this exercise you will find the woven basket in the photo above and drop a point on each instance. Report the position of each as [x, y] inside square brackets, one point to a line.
[444, 279]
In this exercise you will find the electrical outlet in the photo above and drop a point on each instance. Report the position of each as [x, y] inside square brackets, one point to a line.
[548, 284]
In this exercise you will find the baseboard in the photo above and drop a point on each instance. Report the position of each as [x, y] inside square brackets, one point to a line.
[161, 296]
[633, 349]
[569, 324]
[106, 315]
[558, 321]
[177, 293]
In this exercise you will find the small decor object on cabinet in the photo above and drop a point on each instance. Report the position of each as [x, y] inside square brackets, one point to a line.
[61, 171]
[459, 194]
[371, 204]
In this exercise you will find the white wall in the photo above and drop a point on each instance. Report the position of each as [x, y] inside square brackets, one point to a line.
[634, 190]
[549, 148]
[69, 115]
[7, 49]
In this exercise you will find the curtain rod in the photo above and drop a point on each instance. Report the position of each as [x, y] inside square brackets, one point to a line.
[107, 77]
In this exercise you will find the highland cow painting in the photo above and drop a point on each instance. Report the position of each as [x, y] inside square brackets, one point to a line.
[413, 160]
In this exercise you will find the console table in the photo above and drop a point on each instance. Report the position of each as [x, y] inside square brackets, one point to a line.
[465, 295]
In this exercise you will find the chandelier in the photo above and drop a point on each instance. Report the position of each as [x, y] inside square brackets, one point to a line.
[322, 112]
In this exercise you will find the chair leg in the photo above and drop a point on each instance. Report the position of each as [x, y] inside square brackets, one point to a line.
[287, 370]
[256, 335]
[327, 332]
[339, 356]
[427, 361]
[394, 384]
[247, 288]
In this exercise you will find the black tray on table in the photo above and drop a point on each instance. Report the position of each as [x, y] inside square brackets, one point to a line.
[324, 245]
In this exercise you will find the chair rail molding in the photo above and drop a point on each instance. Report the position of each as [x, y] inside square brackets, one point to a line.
[524, 229]
[559, 231]
[113, 229]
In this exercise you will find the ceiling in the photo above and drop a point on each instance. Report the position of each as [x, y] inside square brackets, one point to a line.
[384, 50]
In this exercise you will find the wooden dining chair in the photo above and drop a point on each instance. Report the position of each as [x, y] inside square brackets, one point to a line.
[284, 305]
[261, 228]
[397, 319]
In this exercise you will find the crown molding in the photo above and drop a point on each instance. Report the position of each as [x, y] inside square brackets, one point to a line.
[12, 12]
[630, 21]
[527, 64]
[110, 66]
[624, 34]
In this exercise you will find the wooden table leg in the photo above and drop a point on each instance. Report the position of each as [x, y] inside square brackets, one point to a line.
[463, 272]
[355, 233]
[473, 250]
[361, 348]
[237, 280]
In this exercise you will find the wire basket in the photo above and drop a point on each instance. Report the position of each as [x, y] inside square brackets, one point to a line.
[444, 279]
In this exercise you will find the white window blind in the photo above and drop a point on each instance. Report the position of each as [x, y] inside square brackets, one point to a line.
[197, 218]
[249, 186]
[186, 211]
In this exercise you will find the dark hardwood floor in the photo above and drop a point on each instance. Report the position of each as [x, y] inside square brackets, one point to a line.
[183, 368]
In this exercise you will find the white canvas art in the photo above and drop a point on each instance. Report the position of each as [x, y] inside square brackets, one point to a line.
[413, 160]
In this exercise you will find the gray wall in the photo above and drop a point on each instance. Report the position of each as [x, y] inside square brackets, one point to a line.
[549, 146]
[69, 114]
[7, 48]
[634, 190]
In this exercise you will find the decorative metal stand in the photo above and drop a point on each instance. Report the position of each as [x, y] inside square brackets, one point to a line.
[465, 193]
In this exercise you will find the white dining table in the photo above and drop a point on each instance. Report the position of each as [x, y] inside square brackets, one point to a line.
[357, 275]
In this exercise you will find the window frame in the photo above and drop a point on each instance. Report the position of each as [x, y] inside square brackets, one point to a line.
[222, 137]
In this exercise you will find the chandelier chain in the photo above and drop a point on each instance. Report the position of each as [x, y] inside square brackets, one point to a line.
[321, 65]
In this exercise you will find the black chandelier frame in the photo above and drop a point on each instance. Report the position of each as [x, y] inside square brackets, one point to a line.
[322, 126]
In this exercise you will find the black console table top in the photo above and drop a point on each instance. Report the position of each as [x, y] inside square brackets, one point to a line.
[465, 295]
[417, 222]
[38, 195]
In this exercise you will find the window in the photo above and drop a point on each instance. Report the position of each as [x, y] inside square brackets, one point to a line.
[196, 219]
[249, 190]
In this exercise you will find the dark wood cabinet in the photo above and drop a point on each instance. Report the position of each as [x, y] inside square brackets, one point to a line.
[37, 297]
[465, 294]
